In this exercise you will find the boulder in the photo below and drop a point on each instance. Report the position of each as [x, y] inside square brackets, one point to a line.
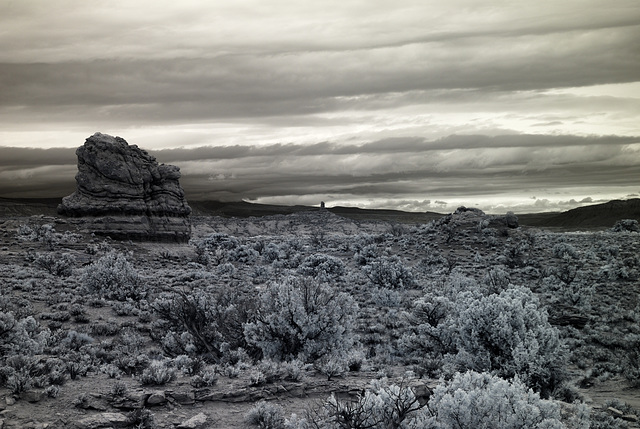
[195, 422]
[123, 192]
[156, 398]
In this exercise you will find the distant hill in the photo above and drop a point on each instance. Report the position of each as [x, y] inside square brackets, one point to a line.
[588, 217]
[29, 206]
[594, 216]
[244, 209]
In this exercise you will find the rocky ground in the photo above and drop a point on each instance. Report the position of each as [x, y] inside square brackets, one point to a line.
[593, 300]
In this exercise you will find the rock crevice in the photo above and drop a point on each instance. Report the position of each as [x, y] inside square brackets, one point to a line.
[123, 192]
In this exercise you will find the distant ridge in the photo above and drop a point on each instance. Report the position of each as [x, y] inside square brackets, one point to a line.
[245, 209]
[598, 216]
[594, 216]
[29, 206]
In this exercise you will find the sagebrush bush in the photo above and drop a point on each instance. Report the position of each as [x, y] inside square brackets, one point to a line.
[389, 273]
[266, 416]
[274, 252]
[479, 400]
[126, 352]
[21, 336]
[57, 264]
[506, 334]
[626, 225]
[113, 277]
[323, 267]
[202, 321]
[380, 406]
[302, 319]
[564, 251]
[159, 372]
[207, 377]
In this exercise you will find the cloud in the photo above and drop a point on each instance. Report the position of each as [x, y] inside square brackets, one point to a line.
[198, 63]
[17, 158]
[402, 101]
[456, 166]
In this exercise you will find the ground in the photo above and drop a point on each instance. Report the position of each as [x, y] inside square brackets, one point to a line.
[587, 281]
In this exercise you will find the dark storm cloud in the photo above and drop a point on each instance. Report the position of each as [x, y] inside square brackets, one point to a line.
[310, 77]
[19, 158]
[411, 145]
[458, 165]
[314, 81]
[455, 165]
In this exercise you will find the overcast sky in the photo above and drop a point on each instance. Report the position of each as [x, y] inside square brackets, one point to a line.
[416, 105]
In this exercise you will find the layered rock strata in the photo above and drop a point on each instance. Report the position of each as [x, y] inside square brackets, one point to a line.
[124, 193]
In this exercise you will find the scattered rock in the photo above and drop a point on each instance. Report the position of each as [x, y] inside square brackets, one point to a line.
[132, 401]
[615, 412]
[104, 420]
[156, 398]
[32, 396]
[182, 398]
[123, 193]
[9, 400]
[630, 418]
[194, 422]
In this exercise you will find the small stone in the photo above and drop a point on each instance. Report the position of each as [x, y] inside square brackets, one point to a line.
[194, 422]
[32, 396]
[630, 418]
[183, 398]
[9, 400]
[104, 420]
[615, 412]
[133, 401]
[156, 398]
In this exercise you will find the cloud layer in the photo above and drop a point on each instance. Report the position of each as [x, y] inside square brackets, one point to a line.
[374, 103]
[408, 173]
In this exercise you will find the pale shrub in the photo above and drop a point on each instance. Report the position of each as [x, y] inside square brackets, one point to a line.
[302, 319]
[159, 372]
[480, 400]
[322, 267]
[389, 272]
[266, 416]
[506, 334]
[113, 277]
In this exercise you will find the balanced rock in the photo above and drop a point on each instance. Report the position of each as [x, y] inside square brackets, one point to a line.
[122, 192]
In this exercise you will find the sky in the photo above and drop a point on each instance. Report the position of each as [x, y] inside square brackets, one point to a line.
[419, 105]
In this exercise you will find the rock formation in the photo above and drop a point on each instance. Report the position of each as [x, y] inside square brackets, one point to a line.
[123, 193]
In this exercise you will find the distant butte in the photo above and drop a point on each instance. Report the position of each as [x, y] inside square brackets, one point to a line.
[122, 192]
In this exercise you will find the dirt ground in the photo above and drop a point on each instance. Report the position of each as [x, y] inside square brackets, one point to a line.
[82, 401]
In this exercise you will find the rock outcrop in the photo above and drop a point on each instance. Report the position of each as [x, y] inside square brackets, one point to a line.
[124, 193]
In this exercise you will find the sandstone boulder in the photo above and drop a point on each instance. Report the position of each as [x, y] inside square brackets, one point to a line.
[124, 193]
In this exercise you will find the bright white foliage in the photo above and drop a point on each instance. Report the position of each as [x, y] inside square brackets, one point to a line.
[473, 400]
[112, 277]
[506, 334]
[302, 319]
